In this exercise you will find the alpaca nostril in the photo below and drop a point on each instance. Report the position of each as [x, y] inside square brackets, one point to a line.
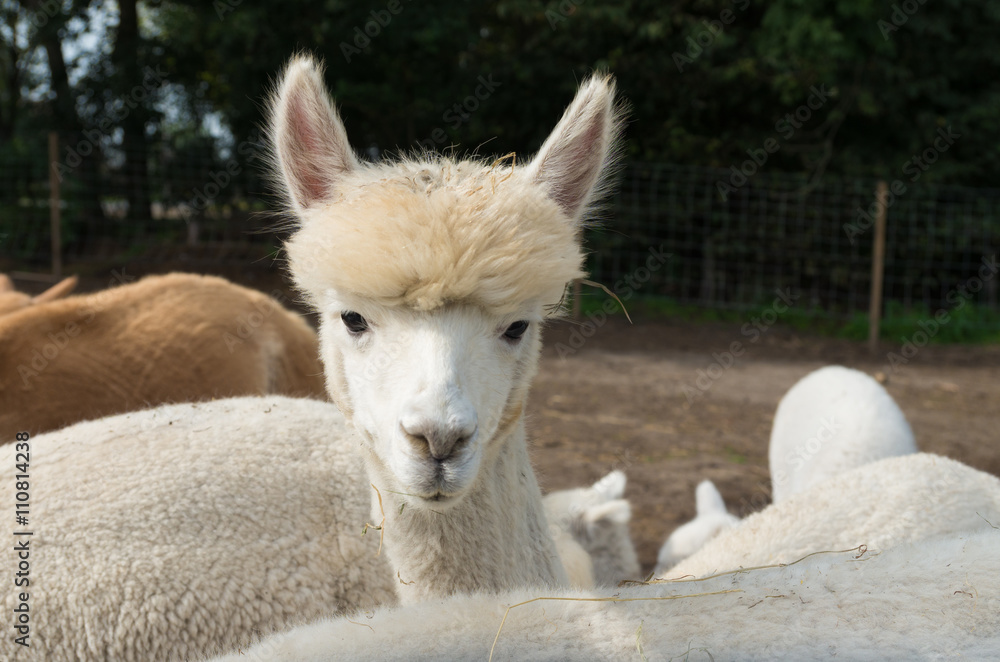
[438, 441]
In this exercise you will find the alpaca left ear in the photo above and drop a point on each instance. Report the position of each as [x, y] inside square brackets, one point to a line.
[707, 499]
[309, 140]
[575, 160]
[57, 291]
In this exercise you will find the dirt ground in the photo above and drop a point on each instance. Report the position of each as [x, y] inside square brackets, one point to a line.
[619, 401]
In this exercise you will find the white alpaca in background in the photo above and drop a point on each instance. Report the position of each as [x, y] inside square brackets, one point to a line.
[832, 420]
[710, 520]
[432, 278]
[925, 586]
[597, 518]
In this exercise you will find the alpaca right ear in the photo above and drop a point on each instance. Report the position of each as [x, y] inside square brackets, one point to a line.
[611, 486]
[6, 284]
[574, 161]
[57, 291]
[707, 499]
[310, 143]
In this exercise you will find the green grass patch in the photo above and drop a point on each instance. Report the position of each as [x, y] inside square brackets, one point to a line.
[969, 324]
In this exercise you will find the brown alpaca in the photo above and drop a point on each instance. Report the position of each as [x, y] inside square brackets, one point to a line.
[173, 338]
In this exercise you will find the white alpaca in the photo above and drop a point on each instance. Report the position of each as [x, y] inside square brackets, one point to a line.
[927, 583]
[831, 421]
[879, 504]
[934, 599]
[188, 529]
[432, 278]
[711, 518]
[597, 517]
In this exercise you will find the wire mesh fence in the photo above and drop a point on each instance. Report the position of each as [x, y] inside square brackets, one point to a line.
[679, 232]
[785, 232]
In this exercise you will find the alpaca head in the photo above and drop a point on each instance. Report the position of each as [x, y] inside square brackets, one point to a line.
[12, 301]
[432, 277]
[710, 520]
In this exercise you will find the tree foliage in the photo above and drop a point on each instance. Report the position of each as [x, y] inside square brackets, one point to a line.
[708, 81]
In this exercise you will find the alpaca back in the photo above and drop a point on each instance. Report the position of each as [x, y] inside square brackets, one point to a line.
[833, 420]
[174, 338]
[185, 530]
[880, 505]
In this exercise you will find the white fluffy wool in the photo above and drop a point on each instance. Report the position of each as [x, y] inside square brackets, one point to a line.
[597, 518]
[881, 504]
[832, 420]
[187, 530]
[710, 520]
[929, 600]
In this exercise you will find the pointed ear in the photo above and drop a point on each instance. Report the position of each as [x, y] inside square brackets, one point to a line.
[311, 151]
[57, 291]
[707, 499]
[575, 161]
[6, 284]
[618, 511]
[611, 486]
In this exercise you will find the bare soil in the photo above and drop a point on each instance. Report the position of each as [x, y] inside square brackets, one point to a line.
[629, 398]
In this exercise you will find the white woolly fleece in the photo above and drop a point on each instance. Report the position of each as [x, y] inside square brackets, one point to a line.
[931, 600]
[833, 420]
[882, 504]
[187, 530]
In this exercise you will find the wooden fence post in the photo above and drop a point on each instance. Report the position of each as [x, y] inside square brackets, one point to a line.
[54, 206]
[576, 299]
[878, 268]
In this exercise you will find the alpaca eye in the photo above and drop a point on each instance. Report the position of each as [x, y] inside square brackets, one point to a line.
[354, 322]
[516, 330]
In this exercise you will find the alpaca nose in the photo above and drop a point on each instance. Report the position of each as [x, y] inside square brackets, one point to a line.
[440, 439]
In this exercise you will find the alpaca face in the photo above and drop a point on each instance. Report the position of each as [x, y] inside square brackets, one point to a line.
[431, 392]
[433, 276]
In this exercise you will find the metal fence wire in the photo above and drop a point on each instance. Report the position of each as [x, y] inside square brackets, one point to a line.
[668, 232]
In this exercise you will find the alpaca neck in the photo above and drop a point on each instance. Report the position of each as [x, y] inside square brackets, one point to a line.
[496, 538]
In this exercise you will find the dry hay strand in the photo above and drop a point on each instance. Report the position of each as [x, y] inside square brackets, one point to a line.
[381, 525]
[860, 549]
[612, 599]
[584, 281]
